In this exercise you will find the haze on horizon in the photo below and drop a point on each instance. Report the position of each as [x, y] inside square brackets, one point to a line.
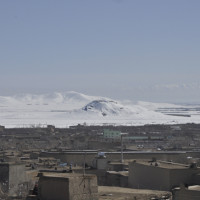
[122, 49]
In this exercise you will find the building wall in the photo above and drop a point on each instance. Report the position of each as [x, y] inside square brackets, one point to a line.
[196, 179]
[78, 158]
[117, 167]
[182, 176]
[101, 163]
[148, 177]
[83, 187]
[124, 181]
[68, 188]
[4, 179]
[112, 179]
[100, 173]
[185, 194]
[75, 158]
[18, 182]
[117, 180]
[53, 188]
[13, 180]
[156, 178]
[111, 133]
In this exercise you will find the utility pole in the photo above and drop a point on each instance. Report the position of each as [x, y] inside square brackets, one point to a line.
[122, 156]
[84, 164]
[122, 160]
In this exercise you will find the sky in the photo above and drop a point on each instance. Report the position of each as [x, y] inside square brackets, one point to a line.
[123, 49]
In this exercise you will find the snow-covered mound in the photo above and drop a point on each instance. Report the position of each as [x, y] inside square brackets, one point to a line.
[116, 109]
[105, 107]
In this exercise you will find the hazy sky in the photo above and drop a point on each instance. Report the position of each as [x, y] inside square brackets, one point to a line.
[124, 49]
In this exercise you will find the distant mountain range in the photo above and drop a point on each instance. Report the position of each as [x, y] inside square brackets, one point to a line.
[70, 108]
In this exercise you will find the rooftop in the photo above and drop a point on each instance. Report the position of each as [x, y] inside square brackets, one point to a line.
[124, 173]
[163, 164]
[194, 187]
[66, 175]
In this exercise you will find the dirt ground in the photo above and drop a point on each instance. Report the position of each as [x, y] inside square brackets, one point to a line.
[118, 193]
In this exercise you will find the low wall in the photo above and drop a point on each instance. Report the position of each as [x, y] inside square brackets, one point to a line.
[89, 157]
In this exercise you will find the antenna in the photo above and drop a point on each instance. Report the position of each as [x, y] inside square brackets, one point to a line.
[84, 164]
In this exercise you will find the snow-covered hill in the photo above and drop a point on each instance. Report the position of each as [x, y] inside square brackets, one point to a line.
[45, 99]
[70, 108]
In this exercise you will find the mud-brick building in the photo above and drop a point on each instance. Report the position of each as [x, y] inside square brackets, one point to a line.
[160, 175]
[13, 179]
[186, 193]
[55, 186]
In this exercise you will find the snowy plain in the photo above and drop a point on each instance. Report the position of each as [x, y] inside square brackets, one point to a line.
[72, 108]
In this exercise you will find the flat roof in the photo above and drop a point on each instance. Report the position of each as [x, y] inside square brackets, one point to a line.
[163, 164]
[124, 173]
[194, 187]
[65, 175]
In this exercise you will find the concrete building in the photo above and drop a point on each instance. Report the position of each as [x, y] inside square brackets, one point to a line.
[54, 186]
[160, 175]
[111, 134]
